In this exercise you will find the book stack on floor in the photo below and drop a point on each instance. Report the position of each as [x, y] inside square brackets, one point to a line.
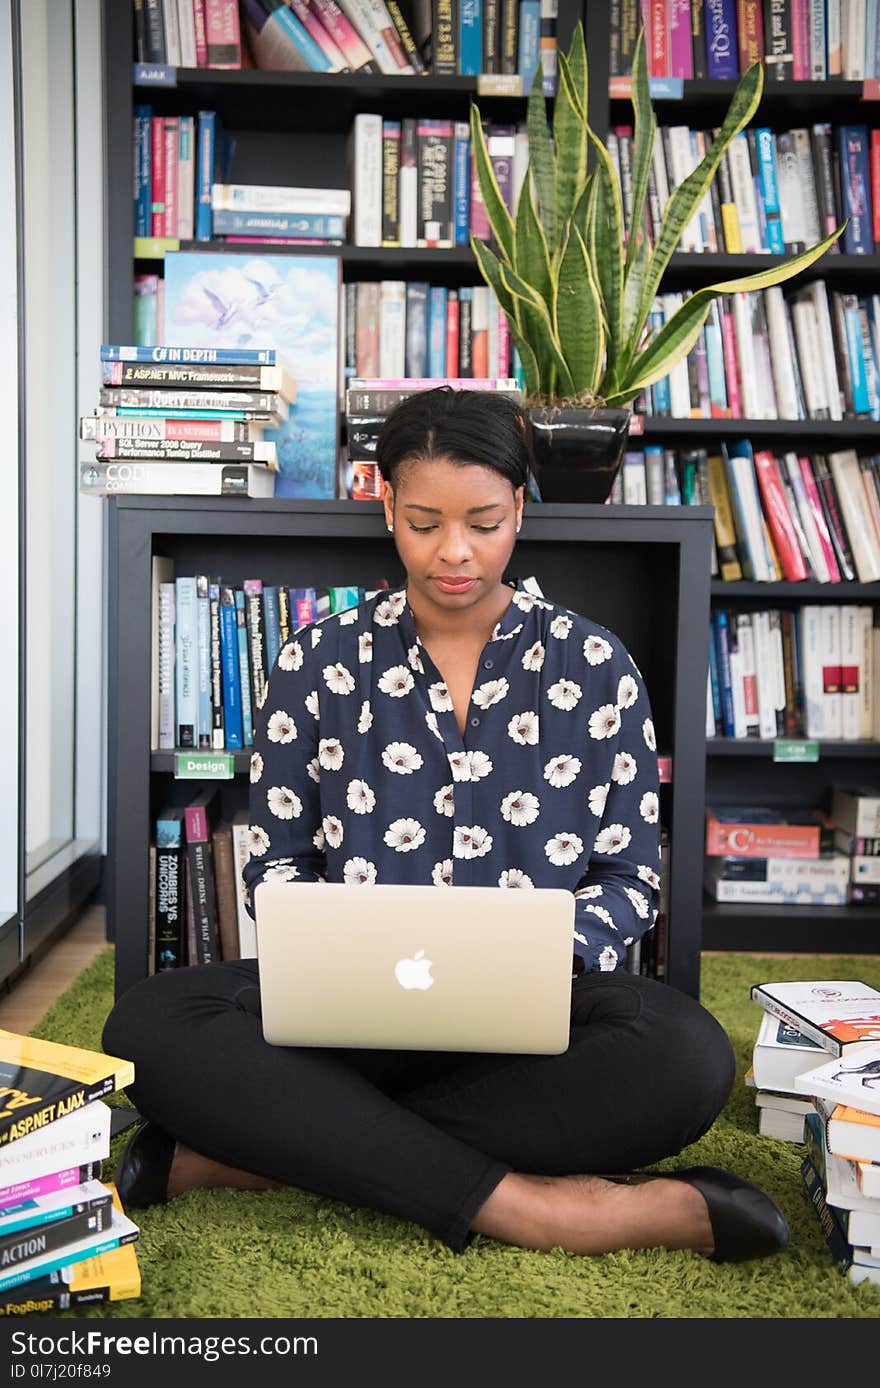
[65, 1239]
[368, 401]
[841, 1167]
[856, 817]
[773, 856]
[186, 421]
[779, 1054]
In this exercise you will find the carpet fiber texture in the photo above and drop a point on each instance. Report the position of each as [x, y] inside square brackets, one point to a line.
[224, 1253]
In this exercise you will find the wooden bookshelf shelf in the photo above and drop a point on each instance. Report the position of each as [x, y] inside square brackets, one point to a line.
[753, 747]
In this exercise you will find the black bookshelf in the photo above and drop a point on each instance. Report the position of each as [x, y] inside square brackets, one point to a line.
[759, 747]
[839, 434]
[791, 929]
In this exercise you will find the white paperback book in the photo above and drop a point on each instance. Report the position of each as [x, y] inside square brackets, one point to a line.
[75, 1140]
[780, 1053]
[852, 1079]
[841, 1015]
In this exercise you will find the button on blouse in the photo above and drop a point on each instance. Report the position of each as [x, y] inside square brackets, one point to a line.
[359, 773]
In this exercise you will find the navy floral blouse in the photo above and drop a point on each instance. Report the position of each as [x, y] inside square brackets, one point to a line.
[360, 775]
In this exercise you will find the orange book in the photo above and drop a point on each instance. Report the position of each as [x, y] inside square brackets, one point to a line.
[758, 832]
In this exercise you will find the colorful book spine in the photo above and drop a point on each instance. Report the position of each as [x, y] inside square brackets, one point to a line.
[437, 331]
[722, 649]
[231, 678]
[529, 46]
[721, 42]
[186, 662]
[853, 145]
[271, 625]
[218, 733]
[203, 662]
[169, 944]
[244, 670]
[143, 219]
[461, 185]
[207, 137]
[470, 37]
[253, 606]
[770, 190]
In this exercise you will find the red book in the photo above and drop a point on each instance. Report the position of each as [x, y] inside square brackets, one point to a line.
[223, 33]
[731, 368]
[201, 40]
[749, 33]
[759, 832]
[658, 57]
[452, 334]
[157, 176]
[503, 341]
[170, 156]
[825, 542]
[875, 187]
[776, 511]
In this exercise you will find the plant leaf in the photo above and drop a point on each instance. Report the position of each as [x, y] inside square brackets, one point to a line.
[644, 128]
[538, 364]
[499, 216]
[570, 139]
[605, 249]
[579, 315]
[525, 292]
[531, 258]
[578, 70]
[542, 160]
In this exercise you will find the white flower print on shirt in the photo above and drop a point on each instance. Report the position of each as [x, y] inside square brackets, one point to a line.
[648, 734]
[365, 719]
[441, 874]
[624, 768]
[564, 849]
[284, 803]
[291, 657]
[415, 660]
[523, 728]
[647, 874]
[359, 798]
[520, 808]
[318, 840]
[524, 601]
[317, 633]
[534, 657]
[402, 758]
[348, 617]
[627, 691]
[313, 770]
[281, 727]
[608, 960]
[639, 901]
[441, 699]
[444, 801]
[564, 694]
[433, 725]
[460, 766]
[492, 692]
[358, 872]
[480, 765]
[338, 679]
[397, 602]
[471, 841]
[403, 835]
[562, 770]
[365, 650]
[259, 842]
[602, 914]
[597, 650]
[384, 614]
[396, 682]
[330, 753]
[649, 807]
[333, 830]
[279, 873]
[515, 877]
[256, 768]
[311, 703]
[614, 838]
[598, 797]
[605, 722]
[589, 891]
[560, 627]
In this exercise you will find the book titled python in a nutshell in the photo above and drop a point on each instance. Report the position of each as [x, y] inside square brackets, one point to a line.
[41, 1081]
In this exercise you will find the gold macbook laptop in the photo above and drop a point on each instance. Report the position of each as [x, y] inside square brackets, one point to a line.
[415, 968]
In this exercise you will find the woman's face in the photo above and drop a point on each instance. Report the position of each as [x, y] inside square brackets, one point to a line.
[455, 527]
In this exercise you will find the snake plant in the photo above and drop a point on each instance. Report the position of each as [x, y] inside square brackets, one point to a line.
[577, 295]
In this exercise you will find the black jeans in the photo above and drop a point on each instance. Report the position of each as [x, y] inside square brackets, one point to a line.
[425, 1136]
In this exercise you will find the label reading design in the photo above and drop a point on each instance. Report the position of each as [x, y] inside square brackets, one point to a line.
[795, 749]
[204, 766]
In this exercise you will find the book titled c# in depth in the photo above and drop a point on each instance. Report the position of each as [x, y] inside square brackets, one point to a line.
[42, 1081]
[839, 1015]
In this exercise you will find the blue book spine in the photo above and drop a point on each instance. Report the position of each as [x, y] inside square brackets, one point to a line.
[205, 154]
[273, 628]
[529, 50]
[244, 670]
[722, 57]
[872, 20]
[169, 832]
[855, 188]
[722, 644]
[203, 628]
[72, 1253]
[186, 671]
[714, 684]
[298, 34]
[231, 679]
[470, 38]
[437, 331]
[852, 320]
[231, 223]
[516, 367]
[770, 190]
[661, 399]
[219, 356]
[143, 169]
[461, 184]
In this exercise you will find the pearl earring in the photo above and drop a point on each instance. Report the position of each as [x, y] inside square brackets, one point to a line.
[390, 529]
[518, 529]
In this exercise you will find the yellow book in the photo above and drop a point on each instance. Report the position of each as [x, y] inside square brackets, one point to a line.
[725, 532]
[41, 1081]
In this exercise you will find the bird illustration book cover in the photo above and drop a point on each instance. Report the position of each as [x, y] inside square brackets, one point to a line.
[291, 303]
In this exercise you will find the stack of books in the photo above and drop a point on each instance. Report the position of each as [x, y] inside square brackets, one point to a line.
[779, 1054]
[856, 817]
[773, 856]
[841, 1167]
[186, 421]
[368, 401]
[242, 213]
[64, 1237]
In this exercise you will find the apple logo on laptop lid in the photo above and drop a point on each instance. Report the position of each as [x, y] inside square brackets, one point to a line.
[415, 972]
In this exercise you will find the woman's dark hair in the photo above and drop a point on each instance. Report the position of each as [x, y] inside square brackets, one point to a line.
[463, 426]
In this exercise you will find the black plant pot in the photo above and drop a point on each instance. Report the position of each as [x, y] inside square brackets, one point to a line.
[577, 452]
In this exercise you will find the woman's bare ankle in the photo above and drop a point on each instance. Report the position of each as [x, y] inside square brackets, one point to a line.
[191, 1171]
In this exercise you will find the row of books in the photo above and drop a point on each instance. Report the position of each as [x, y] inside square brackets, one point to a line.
[762, 354]
[177, 161]
[394, 37]
[65, 1239]
[776, 855]
[796, 40]
[814, 1069]
[216, 643]
[810, 672]
[775, 191]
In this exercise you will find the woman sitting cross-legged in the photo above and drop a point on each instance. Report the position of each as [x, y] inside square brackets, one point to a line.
[457, 731]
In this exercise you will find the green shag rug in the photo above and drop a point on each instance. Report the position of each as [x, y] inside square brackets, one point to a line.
[289, 1253]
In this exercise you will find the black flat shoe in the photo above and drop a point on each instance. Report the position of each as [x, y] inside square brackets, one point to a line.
[141, 1175]
[745, 1222]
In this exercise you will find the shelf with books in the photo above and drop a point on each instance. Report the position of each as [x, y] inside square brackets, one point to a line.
[791, 929]
[754, 747]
